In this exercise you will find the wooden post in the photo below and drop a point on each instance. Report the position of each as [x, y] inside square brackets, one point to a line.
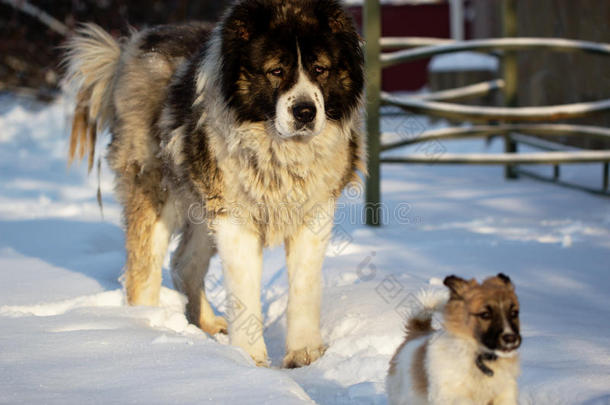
[372, 50]
[456, 16]
[556, 172]
[605, 175]
[510, 74]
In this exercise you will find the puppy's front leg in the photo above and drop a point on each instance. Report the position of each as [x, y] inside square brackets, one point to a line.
[241, 252]
[447, 392]
[508, 396]
[452, 401]
[304, 256]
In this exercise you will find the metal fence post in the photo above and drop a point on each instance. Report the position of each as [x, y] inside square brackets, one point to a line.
[372, 50]
[510, 74]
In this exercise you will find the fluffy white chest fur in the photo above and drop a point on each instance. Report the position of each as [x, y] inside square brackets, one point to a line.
[450, 374]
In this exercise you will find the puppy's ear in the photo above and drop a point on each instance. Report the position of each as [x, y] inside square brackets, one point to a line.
[505, 279]
[457, 286]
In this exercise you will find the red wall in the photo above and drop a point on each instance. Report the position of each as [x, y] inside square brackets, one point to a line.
[426, 20]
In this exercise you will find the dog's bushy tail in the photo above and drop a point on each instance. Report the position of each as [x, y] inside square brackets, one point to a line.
[428, 302]
[92, 58]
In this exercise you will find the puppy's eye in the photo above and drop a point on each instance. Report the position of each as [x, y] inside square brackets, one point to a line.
[485, 315]
[319, 70]
[514, 313]
[277, 72]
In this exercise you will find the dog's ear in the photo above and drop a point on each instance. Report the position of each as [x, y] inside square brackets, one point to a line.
[335, 16]
[244, 21]
[339, 22]
[505, 279]
[457, 286]
[241, 30]
[238, 29]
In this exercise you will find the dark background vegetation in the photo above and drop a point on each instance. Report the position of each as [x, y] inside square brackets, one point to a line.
[29, 54]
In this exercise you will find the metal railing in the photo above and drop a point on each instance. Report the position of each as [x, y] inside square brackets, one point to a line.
[512, 121]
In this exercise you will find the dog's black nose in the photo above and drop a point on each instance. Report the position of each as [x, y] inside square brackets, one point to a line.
[509, 338]
[304, 112]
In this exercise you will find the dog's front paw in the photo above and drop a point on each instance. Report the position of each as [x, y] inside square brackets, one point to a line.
[303, 357]
[260, 357]
[261, 362]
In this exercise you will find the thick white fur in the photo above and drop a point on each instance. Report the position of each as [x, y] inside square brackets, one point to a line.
[241, 252]
[455, 379]
[304, 256]
[429, 302]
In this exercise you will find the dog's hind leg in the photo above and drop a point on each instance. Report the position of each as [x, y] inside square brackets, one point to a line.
[149, 225]
[189, 267]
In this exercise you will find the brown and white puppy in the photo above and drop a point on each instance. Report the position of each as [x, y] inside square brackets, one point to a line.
[472, 359]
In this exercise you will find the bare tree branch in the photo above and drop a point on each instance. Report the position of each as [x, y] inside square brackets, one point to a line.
[45, 18]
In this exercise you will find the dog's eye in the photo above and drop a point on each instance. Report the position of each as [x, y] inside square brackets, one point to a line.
[485, 315]
[277, 72]
[514, 313]
[319, 70]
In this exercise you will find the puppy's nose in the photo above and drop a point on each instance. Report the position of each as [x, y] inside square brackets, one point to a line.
[509, 338]
[304, 112]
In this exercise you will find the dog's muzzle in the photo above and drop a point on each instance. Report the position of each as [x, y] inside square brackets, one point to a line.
[300, 110]
[509, 341]
[304, 113]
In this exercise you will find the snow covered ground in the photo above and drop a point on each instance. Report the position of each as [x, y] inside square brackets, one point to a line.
[67, 337]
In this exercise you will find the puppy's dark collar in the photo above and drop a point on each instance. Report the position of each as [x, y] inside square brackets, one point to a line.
[479, 361]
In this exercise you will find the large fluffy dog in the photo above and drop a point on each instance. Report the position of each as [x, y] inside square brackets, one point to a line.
[472, 360]
[252, 126]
